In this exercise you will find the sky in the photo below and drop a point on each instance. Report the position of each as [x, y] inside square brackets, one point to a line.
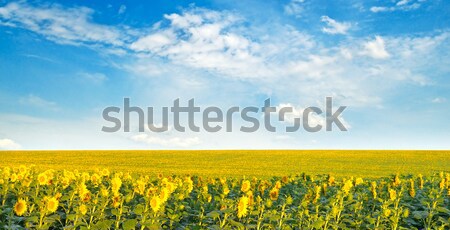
[62, 63]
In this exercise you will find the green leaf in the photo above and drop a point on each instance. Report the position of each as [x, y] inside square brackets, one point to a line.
[228, 211]
[33, 219]
[70, 217]
[420, 214]
[139, 209]
[443, 210]
[129, 224]
[318, 224]
[105, 224]
[213, 214]
[115, 212]
[236, 224]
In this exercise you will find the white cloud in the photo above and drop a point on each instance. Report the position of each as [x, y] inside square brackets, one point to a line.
[96, 78]
[272, 59]
[35, 101]
[402, 2]
[40, 58]
[63, 25]
[401, 5]
[376, 48]
[334, 27]
[154, 42]
[314, 119]
[122, 9]
[166, 142]
[8, 144]
[297, 112]
[204, 39]
[377, 9]
[294, 7]
[351, 69]
[439, 100]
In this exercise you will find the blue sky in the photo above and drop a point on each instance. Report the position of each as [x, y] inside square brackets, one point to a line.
[62, 63]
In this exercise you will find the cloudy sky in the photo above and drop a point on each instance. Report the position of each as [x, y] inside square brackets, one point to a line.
[62, 63]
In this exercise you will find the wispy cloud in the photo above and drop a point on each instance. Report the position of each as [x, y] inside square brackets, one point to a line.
[334, 27]
[438, 100]
[63, 25]
[376, 48]
[35, 101]
[96, 78]
[294, 7]
[122, 9]
[167, 142]
[401, 5]
[223, 45]
[314, 119]
[205, 39]
[40, 58]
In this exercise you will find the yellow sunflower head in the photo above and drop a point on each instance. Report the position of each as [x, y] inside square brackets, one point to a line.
[20, 207]
[42, 179]
[245, 186]
[242, 207]
[83, 209]
[164, 195]
[274, 194]
[155, 203]
[52, 204]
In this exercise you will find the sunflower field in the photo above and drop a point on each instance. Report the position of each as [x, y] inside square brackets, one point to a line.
[102, 199]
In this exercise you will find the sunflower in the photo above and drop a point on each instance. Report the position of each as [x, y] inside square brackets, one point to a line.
[392, 194]
[140, 187]
[42, 179]
[83, 209]
[189, 184]
[95, 178]
[116, 201]
[14, 177]
[278, 185]
[250, 198]
[105, 172]
[155, 203]
[20, 207]
[52, 204]
[164, 195]
[116, 183]
[274, 194]
[331, 180]
[373, 189]
[348, 185]
[245, 186]
[397, 180]
[226, 190]
[242, 207]
[104, 192]
[171, 186]
[359, 181]
[22, 169]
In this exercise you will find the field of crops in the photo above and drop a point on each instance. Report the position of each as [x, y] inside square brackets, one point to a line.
[238, 163]
[105, 199]
[225, 189]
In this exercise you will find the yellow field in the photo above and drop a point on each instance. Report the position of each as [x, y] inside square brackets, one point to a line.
[238, 163]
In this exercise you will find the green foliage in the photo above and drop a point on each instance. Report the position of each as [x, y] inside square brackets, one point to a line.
[117, 200]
